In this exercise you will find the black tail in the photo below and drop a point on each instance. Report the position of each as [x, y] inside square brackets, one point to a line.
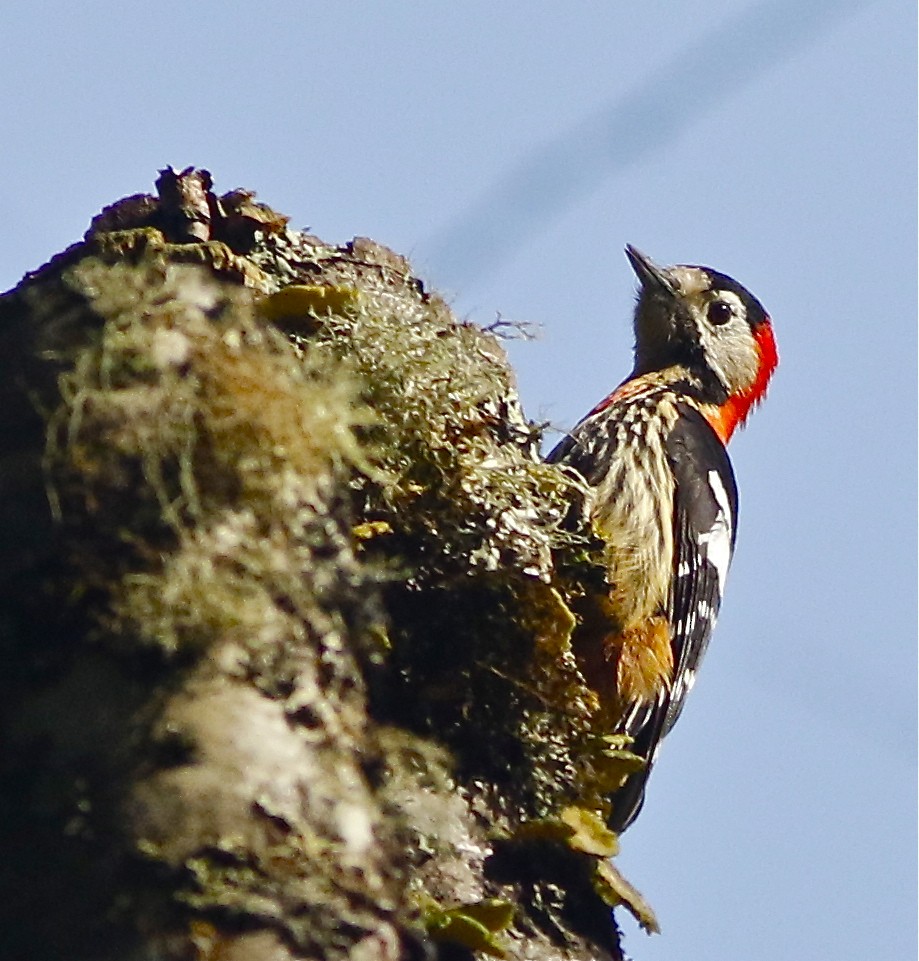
[646, 728]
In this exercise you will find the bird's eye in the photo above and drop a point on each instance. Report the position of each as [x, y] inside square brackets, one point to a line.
[719, 312]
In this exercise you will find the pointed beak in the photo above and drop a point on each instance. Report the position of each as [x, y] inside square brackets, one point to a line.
[652, 277]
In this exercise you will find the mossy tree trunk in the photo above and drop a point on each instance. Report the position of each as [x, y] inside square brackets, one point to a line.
[286, 629]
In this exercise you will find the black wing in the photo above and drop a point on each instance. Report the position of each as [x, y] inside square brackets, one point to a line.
[704, 528]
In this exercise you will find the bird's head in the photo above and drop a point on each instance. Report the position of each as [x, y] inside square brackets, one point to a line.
[704, 322]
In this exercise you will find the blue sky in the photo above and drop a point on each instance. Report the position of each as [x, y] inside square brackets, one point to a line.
[778, 147]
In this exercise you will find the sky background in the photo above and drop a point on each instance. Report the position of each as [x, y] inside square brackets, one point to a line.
[511, 150]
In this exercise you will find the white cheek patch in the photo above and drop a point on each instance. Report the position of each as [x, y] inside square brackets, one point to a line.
[730, 350]
[717, 541]
[711, 346]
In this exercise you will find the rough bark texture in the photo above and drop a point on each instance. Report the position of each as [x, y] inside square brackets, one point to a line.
[285, 612]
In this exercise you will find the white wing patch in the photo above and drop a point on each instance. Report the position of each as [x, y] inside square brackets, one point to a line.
[717, 540]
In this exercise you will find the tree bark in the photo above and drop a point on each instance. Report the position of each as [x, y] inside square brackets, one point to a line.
[285, 612]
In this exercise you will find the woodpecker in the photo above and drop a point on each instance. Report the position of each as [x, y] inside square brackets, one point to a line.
[664, 499]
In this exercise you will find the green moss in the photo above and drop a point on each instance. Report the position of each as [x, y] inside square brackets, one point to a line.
[474, 926]
[197, 425]
[478, 541]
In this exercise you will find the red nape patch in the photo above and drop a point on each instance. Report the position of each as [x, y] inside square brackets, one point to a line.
[736, 409]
